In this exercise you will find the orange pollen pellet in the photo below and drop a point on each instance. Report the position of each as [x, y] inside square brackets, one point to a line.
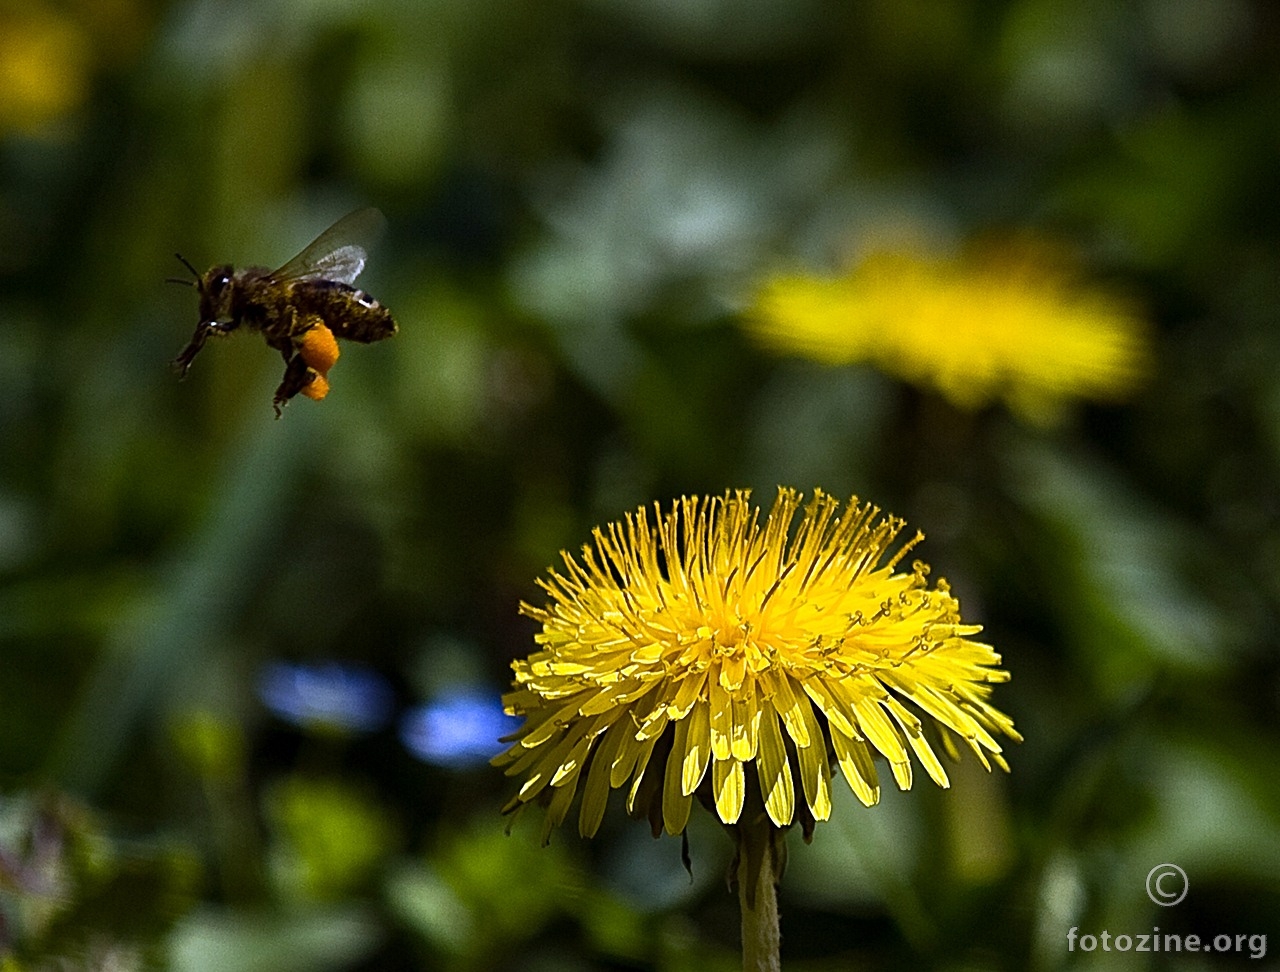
[319, 349]
[317, 387]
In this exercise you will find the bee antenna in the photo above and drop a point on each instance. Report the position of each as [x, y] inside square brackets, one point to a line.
[180, 280]
[183, 260]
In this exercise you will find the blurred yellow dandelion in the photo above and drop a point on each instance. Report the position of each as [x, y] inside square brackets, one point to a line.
[44, 68]
[686, 654]
[1013, 323]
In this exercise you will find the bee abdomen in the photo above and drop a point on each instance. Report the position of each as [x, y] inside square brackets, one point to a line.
[350, 313]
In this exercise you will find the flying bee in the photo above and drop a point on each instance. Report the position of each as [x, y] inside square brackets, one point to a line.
[300, 309]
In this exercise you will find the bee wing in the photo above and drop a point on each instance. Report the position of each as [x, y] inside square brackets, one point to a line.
[339, 252]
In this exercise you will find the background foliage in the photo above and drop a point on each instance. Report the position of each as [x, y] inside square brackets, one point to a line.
[581, 197]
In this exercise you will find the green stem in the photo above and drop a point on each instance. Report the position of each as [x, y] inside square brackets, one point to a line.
[759, 846]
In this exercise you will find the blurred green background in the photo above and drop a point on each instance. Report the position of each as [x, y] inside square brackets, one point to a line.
[218, 632]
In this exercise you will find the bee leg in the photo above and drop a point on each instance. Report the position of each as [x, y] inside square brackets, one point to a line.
[182, 363]
[297, 376]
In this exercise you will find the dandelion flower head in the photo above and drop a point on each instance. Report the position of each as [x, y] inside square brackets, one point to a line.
[699, 651]
[1013, 322]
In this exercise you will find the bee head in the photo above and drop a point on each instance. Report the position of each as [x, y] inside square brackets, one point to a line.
[216, 290]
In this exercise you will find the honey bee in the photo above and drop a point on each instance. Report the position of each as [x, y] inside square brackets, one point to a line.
[300, 309]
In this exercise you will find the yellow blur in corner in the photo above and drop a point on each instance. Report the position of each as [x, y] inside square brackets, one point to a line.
[44, 68]
[50, 56]
[1012, 322]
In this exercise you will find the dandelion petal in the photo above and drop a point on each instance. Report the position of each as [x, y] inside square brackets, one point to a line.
[728, 783]
[775, 773]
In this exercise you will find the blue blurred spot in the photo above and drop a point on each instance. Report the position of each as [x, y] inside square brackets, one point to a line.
[457, 730]
[328, 696]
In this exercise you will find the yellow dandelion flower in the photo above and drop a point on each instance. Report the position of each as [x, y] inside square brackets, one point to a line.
[44, 68]
[1014, 323]
[698, 652]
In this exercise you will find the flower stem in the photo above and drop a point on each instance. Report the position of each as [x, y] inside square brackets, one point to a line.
[759, 847]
